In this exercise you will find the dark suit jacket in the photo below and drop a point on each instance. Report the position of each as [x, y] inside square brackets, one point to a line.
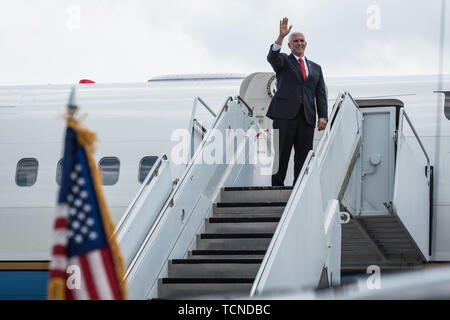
[291, 88]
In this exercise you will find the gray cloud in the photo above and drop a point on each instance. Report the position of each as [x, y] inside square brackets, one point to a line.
[131, 41]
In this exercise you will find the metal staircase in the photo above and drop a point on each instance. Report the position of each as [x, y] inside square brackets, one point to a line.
[230, 251]
[378, 240]
[390, 227]
[259, 240]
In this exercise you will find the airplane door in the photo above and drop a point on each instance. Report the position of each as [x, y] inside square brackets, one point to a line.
[377, 159]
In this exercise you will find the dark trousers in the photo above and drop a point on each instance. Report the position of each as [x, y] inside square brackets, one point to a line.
[293, 132]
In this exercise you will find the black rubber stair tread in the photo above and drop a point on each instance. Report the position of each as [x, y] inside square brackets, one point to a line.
[251, 204]
[208, 280]
[227, 252]
[215, 261]
[257, 188]
[235, 235]
[243, 219]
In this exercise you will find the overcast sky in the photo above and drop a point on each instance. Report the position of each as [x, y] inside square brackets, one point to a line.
[62, 41]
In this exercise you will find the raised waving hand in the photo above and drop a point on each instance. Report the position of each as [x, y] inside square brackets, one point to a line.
[284, 30]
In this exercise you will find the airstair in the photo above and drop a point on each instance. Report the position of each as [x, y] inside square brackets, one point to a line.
[391, 216]
[231, 250]
[362, 198]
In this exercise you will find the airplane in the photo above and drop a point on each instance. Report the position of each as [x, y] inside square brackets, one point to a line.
[126, 118]
[134, 123]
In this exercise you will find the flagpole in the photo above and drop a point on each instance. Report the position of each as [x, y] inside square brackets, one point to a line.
[82, 206]
[72, 107]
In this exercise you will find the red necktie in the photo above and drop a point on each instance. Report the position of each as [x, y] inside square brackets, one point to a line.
[302, 65]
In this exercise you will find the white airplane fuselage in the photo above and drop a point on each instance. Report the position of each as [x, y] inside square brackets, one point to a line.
[133, 121]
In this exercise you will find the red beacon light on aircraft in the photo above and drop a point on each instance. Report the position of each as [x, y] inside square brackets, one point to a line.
[86, 81]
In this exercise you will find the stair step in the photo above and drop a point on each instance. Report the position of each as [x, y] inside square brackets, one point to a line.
[256, 188]
[235, 235]
[207, 280]
[249, 207]
[182, 287]
[214, 261]
[242, 224]
[226, 254]
[251, 204]
[244, 219]
[255, 194]
[214, 268]
[244, 214]
[234, 241]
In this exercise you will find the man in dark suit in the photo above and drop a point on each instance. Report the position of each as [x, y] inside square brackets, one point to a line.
[300, 92]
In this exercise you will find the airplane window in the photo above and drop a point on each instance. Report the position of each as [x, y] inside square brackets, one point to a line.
[59, 172]
[145, 166]
[109, 169]
[26, 172]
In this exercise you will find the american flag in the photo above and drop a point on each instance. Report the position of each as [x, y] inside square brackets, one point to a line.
[86, 262]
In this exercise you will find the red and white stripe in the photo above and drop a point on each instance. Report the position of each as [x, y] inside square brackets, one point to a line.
[58, 265]
[97, 278]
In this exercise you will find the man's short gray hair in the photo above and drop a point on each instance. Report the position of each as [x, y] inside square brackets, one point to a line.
[293, 34]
